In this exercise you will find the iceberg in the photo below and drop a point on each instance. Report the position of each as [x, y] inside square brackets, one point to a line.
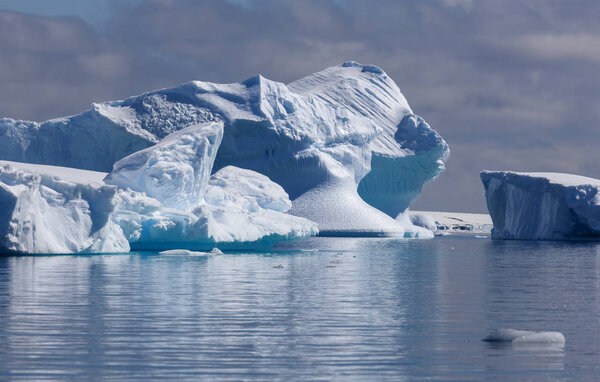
[542, 206]
[525, 337]
[159, 198]
[58, 210]
[343, 143]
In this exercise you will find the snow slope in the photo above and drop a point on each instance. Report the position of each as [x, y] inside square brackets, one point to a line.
[343, 142]
[542, 205]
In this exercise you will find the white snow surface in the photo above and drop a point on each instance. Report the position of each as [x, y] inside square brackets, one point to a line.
[525, 337]
[542, 206]
[339, 142]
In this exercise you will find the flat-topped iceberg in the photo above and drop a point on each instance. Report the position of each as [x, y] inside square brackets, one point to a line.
[343, 143]
[542, 205]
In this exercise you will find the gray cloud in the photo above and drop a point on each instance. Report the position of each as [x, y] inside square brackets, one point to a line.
[509, 84]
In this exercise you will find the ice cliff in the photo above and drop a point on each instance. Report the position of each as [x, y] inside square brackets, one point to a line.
[343, 143]
[48, 209]
[542, 205]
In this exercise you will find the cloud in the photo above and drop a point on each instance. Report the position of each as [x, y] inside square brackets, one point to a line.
[572, 47]
[510, 84]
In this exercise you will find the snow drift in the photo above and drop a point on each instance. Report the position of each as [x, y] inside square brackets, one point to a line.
[343, 142]
[542, 205]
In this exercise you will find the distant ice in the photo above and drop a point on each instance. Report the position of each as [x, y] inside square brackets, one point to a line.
[525, 337]
[542, 205]
[452, 222]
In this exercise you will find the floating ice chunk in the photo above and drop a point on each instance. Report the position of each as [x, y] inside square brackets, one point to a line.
[49, 209]
[184, 252]
[542, 205]
[525, 337]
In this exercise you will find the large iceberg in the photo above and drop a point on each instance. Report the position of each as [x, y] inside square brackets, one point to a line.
[161, 197]
[343, 143]
[541, 206]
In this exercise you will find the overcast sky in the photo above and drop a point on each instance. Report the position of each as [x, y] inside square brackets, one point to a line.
[509, 84]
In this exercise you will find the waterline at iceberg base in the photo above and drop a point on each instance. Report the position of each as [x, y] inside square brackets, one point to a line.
[236, 165]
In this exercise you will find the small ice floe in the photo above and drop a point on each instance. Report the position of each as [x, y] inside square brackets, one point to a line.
[525, 337]
[481, 237]
[185, 252]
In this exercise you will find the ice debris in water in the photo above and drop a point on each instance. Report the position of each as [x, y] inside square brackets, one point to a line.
[186, 252]
[524, 337]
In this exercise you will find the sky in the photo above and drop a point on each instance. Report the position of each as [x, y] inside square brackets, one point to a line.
[510, 85]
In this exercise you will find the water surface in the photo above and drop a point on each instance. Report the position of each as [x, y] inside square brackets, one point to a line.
[327, 308]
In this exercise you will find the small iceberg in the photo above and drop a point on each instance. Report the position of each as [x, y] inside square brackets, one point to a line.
[525, 337]
[542, 206]
[185, 252]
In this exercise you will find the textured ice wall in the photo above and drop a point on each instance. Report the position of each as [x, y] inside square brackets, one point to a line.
[56, 210]
[542, 205]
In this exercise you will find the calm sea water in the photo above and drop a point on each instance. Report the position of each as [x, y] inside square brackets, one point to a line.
[328, 308]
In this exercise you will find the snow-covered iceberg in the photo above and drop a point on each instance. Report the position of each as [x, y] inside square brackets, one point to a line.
[162, 197]
[541, 206]
[343, 142]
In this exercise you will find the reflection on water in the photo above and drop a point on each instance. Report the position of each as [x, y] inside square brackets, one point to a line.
[326, 308]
